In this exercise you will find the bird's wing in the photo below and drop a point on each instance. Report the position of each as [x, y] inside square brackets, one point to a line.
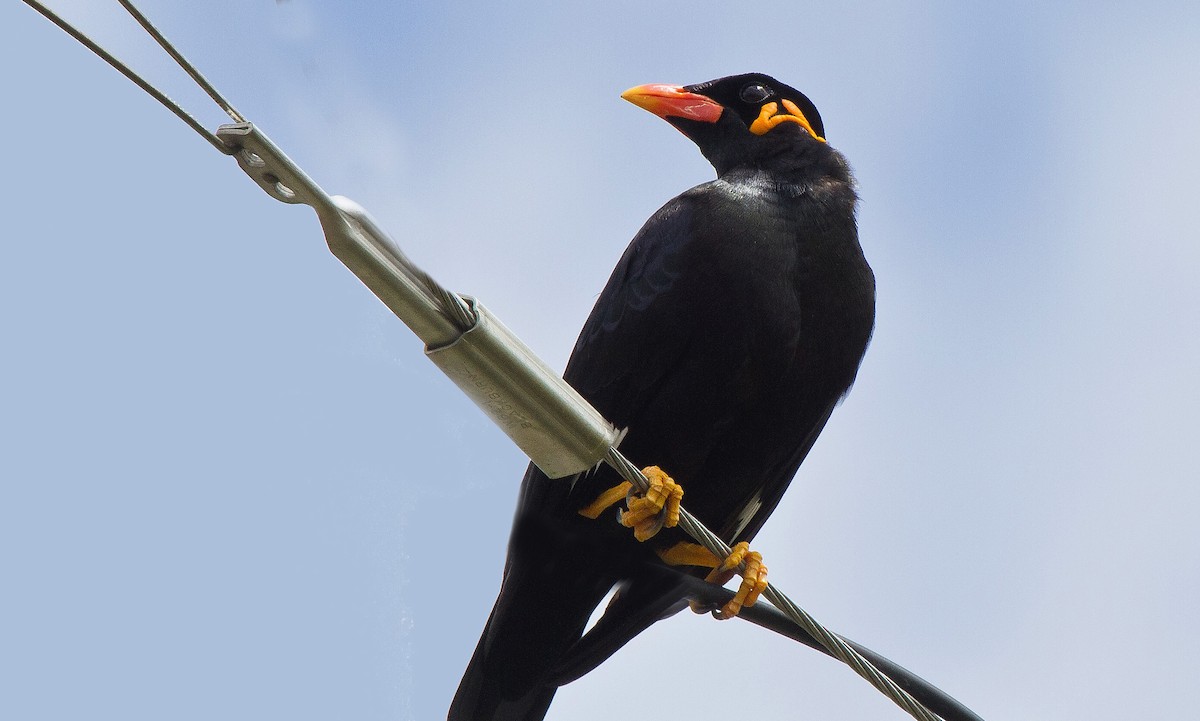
[752, 514]
[615, 365]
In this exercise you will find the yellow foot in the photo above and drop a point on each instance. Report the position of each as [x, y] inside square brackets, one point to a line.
[647, 514]
[657, 509]
[754, 579]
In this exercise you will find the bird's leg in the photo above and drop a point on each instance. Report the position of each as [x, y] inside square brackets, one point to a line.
[754, 578]
[647, 513]
[605, 500]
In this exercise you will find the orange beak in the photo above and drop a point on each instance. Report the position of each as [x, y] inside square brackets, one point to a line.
[672, 101]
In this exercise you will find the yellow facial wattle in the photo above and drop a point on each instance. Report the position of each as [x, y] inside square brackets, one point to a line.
[770, 116]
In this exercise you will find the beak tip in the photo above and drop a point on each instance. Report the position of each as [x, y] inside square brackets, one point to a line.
[641, 91]
[673, 101]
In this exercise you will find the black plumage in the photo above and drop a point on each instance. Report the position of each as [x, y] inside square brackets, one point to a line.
[731, 327]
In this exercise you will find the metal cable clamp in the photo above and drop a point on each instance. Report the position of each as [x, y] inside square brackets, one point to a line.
[547, 419]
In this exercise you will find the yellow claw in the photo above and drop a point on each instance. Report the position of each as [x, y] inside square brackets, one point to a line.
[647, 514]
[754, 580]
[658, 508]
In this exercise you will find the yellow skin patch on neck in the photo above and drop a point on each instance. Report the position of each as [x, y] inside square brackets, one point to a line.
[770, 116]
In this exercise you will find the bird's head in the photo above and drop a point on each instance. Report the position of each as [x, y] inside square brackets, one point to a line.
[750, 119]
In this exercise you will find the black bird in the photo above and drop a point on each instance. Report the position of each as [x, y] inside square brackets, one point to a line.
[734, 323]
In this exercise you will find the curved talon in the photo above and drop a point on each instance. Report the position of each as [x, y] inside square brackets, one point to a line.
[754, 580]
[658, 508]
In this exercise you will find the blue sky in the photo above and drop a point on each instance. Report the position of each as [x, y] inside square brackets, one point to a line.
[231, 487]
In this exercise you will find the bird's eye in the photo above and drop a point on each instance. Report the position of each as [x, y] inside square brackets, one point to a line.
[755, 93]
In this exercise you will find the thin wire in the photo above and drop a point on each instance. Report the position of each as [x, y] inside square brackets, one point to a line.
[769, 617]
[182, 61]
[831, 641]
[452, 304]
[457, 309]
[137, 79]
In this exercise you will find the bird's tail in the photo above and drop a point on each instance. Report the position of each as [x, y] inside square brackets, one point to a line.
[549, 591]
[489, 692]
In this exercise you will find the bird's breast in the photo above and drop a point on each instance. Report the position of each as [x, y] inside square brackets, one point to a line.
[790, 256]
